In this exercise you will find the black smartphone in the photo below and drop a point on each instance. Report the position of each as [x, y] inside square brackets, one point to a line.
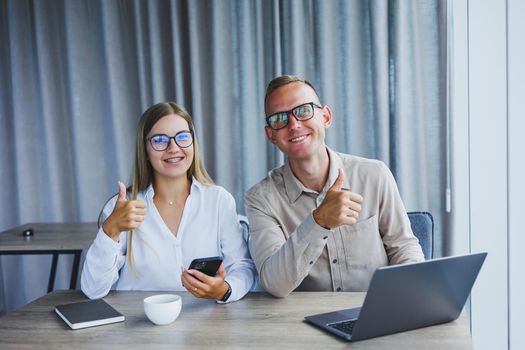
[209, 265]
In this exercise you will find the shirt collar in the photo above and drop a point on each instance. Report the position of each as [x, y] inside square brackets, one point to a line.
[336, 163]
[150, 192]
[294, 187]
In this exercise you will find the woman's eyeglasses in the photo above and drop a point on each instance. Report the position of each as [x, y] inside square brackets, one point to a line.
[302, 113]
[161, 142]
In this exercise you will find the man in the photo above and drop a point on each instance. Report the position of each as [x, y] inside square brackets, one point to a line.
[324, 221]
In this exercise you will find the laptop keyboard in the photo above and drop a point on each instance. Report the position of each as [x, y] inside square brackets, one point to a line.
[344, 326]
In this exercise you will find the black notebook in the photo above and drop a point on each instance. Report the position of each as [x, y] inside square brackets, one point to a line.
[88, 314]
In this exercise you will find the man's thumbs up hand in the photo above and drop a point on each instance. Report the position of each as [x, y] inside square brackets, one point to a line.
[340, 206]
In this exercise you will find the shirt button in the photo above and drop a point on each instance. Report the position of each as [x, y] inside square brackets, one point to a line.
[334, 261]
[338, 289]
[311, 262]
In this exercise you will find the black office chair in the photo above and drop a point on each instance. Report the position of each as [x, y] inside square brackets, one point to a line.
[422, 225]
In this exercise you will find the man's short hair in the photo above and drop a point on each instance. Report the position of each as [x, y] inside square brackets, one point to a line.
[285, 80]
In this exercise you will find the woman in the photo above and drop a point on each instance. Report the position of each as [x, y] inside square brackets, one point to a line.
[175, 214]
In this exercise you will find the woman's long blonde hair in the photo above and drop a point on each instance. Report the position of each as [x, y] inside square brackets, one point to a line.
[142, 169]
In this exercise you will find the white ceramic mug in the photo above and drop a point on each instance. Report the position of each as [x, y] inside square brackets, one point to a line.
[162, 309]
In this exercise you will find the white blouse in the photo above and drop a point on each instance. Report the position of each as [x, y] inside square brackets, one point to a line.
[208, 227]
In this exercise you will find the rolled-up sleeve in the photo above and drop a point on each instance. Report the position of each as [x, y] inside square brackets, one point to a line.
[103, 261]
[394, 226]
[282, 263]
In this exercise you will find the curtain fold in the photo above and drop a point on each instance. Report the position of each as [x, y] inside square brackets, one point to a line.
[75, 76]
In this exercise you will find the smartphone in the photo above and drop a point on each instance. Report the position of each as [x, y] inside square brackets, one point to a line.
[209, 265]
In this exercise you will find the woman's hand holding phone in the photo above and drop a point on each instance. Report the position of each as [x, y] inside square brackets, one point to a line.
[203, 286]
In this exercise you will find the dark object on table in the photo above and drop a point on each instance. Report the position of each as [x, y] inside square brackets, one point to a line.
[28, 232]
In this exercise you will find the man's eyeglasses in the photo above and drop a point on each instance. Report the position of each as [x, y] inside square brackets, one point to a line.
[302, 113]
[160, 142]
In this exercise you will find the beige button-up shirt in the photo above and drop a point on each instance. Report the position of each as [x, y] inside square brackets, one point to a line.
[292, 252]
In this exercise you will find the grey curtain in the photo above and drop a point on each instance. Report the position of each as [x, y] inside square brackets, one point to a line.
[75, 75]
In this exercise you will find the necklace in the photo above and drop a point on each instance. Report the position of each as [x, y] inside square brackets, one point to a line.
[170, 203]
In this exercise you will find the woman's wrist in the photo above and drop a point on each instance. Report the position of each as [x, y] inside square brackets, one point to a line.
[227, 292]
[107, 228]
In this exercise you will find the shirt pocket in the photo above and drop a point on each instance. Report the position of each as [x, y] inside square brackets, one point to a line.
[362, 244]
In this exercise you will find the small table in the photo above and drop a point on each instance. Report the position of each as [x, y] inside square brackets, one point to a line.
[257, 321]
[50, 238]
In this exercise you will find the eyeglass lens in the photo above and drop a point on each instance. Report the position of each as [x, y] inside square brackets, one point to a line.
[161, 142]
[280, 120]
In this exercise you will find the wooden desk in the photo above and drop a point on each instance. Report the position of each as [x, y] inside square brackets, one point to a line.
[50, 238]
[257, 321]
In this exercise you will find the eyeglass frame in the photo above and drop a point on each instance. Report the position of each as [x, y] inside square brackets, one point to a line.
[170, 138]
[288, 112]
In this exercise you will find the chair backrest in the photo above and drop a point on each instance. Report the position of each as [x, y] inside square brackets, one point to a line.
[243, 220]
[422, 225]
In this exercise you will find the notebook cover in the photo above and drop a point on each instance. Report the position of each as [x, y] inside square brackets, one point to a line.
[88, 313]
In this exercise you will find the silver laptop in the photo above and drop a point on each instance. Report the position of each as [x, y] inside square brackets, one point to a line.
[405, 297]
